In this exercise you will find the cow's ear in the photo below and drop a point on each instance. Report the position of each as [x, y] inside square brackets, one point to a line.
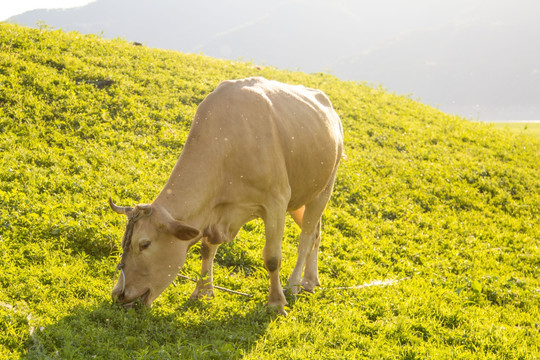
[182, 230]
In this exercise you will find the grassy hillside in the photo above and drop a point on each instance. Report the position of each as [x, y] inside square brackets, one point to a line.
[442, 212]
[523, 128]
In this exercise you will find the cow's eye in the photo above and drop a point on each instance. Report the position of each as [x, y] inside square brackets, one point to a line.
[144, 244]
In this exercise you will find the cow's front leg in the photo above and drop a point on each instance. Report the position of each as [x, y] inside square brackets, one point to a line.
[205, 285]
[272, 261]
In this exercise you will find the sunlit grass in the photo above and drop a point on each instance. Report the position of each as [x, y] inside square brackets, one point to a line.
[441, 212]
[522, 128]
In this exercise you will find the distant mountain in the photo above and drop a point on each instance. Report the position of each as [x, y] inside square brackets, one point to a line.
[478, 58]
[487, 68]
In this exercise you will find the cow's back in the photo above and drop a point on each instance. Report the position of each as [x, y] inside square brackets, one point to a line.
[265, 135]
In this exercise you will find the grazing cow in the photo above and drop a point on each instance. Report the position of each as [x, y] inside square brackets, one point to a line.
[256, 149]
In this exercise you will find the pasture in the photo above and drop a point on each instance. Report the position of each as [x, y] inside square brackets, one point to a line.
[519, 127]
[430, 245]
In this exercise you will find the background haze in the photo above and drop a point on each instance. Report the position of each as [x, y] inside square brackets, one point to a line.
[476, 58]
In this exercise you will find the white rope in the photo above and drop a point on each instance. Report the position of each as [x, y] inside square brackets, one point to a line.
[123, 278]
[123, 281]
[373, 283]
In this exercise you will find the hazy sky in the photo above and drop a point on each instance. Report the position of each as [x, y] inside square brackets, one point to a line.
[14, 7]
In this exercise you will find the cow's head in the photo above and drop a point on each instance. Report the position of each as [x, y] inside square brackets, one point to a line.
[154, 249]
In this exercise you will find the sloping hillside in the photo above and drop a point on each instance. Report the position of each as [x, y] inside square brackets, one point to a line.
[438, 216]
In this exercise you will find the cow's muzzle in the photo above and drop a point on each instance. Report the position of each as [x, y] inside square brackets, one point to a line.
[119, 296]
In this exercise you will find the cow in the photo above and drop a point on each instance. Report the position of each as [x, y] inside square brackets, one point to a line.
[257, 148]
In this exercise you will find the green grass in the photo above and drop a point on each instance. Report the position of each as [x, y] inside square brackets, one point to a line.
[448, 207]
[523, 128]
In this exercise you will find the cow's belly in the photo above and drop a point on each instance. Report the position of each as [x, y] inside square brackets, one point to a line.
[307, 186]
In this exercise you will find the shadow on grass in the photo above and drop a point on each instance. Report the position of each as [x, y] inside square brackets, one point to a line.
[191, 331]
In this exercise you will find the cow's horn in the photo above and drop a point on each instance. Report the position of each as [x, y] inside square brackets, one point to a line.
[120, 209]
[145, 208]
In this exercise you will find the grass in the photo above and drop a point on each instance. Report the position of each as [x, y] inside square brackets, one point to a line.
[448, 207]
[523, 128]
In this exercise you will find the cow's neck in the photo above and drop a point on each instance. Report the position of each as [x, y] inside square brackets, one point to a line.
[190, 190]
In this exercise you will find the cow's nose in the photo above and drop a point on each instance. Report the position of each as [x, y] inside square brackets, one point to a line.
[117, 295]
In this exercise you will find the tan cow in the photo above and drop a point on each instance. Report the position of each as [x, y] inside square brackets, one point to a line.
[256, 149]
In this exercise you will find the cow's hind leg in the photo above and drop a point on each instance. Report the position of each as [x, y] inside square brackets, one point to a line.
[311, 271]
[308, 246]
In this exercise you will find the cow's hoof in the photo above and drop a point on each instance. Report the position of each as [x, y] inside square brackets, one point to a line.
[277, 309]
[204, 293]
[310, 286]
[292, 289]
